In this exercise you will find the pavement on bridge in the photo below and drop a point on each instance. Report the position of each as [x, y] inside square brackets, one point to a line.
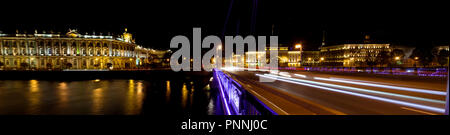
[312, 93]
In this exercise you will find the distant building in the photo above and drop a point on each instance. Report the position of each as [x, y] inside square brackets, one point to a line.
[295, 58]
[404, 60]
[439, 48]
[349, 55]
[73, 51]
[286, 57]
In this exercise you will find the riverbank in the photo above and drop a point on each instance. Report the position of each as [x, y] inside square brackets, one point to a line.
[90, 75]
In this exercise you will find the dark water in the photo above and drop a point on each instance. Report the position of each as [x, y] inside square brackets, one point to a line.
[98, 97]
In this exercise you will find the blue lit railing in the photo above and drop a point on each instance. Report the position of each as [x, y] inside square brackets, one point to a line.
[235, 100]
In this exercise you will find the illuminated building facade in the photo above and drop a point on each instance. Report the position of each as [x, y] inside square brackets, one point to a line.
[350, 55]
[438, 60]
[72, 51]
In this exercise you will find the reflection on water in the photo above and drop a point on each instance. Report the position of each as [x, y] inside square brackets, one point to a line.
[62, 95]
[128, 97]
[184, 96]
[167, 91]
[34, 96]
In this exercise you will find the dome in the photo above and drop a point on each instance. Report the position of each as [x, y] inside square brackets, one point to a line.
[72, 33]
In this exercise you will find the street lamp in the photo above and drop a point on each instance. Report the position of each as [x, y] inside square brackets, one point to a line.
[446, 97]
[321, 61]
[397, 58]
[415, 62]
[218, 51]
[298, 46]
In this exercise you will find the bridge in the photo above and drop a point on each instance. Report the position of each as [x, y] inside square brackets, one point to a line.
[298, 92]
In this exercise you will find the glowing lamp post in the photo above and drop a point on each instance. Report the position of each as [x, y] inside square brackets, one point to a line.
[298, 46]
[446, 103]
[351, 61]
[321, 60]
[415, 64]
[218, 51]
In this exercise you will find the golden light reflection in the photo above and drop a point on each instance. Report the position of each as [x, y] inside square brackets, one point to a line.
[168, 91]
[131, 85]
[184, 92]
[63, 94]
[135, 97]
[34, 86]
[34, 97]
[97, 99]
[207, 88]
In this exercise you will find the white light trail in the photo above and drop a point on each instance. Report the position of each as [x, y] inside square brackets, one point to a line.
[363, 90]
[424, 107]
[299, 75]
[384, 86]
[223, 96]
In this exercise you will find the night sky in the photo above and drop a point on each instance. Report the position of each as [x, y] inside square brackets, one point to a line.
[155, 23]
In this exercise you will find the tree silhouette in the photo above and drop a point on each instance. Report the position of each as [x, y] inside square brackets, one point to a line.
[443, 57]
[24, 65]
[397, 53]
[69, 65]
[109, 65]
[383, 58]
[425, 55]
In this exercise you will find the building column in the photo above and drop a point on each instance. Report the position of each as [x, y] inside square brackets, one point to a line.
[446, 103]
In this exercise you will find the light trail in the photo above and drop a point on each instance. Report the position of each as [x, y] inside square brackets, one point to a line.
[223, 96]
[364, 90]
[385, 86]
[419, 111]
[270, 102]
[381, 83]
[299, 75]
[424, 107]
[285, 74]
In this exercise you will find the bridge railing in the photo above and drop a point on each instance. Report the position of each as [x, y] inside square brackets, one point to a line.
[235, 100]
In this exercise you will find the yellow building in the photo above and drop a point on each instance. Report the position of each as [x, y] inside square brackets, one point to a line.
[310, 58]
[348, 55]
[71, 51]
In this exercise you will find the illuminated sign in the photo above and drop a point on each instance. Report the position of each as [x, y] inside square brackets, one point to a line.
[235, 99]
